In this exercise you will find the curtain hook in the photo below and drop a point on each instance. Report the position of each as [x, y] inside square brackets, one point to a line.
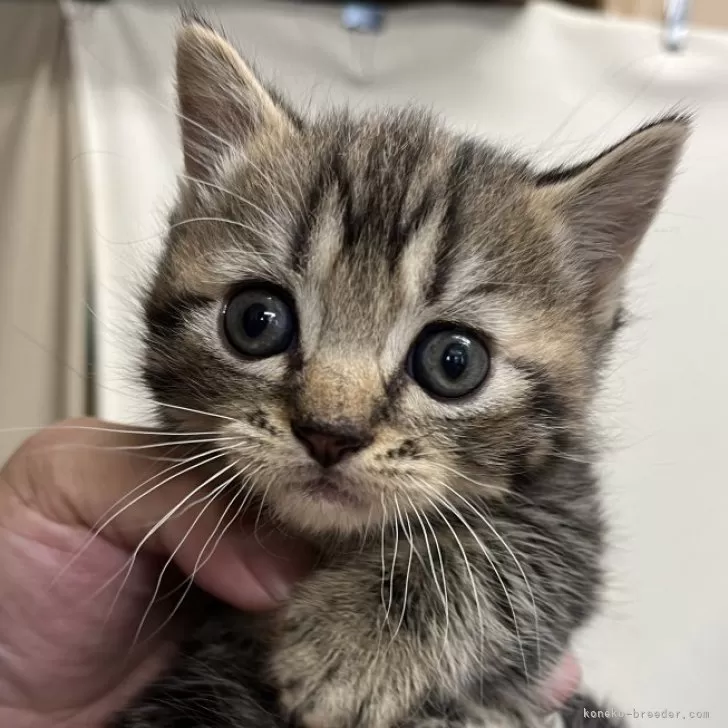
[362, 17]
[675, 24]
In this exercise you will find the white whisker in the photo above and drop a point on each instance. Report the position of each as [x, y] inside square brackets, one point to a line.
[392, 571]
[408, 536]
[506, 546]
[103, 521]
[242, 199]
[135, 448]
[160, 523]
[120, 430]
[200, 562]
[441, 589]
[497, 573]
[383, 560]
[468, 568]
[210, 500]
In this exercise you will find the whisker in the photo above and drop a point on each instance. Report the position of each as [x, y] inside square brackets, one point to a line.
[200, 561]
[210, 500]
[135, 448]
[260, 513]
[506, 546]
[199, 459]
[383, 560]
[197, 502]
[484, 486]
[498, 575]
[468, 568]
[391, 583]
[102, 524]
[158, 525]
[407, 575]
[242, 199]
[120, 430]
[260, 234]
[441, 589]
[145, 400]
[365, 531]
[242, 489]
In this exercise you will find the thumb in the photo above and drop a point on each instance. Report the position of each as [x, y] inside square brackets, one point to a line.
[121, 482]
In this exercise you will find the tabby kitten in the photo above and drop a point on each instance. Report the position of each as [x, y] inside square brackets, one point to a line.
[403, 330]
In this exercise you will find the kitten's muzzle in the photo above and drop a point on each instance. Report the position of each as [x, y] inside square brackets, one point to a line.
[329, 444]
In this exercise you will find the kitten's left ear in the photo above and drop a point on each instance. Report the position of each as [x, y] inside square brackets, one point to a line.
[606, 205]
[222, 103]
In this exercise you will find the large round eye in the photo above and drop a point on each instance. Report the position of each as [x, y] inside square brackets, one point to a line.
[449, 362]
[259, 323]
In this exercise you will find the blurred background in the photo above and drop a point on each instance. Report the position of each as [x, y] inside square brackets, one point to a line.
[88, 158]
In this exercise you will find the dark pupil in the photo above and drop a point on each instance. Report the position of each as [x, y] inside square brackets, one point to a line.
[256, 319]
[455, 360]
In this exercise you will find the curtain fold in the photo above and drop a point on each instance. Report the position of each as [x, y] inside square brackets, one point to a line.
[44, 230]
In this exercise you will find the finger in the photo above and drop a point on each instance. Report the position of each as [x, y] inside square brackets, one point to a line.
[562, 683]
[77, 474]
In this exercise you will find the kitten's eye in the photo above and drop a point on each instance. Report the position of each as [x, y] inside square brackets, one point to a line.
[259, 323]
[449, 362]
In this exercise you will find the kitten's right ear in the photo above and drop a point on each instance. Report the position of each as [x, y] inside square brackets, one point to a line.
[222, 103]
[604, 206]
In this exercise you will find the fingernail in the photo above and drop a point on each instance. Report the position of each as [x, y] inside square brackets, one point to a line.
[274, 583]
[276, 561]
[562, 683]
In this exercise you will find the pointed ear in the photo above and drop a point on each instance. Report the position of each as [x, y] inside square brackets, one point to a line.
[222, 103]
[605, 206]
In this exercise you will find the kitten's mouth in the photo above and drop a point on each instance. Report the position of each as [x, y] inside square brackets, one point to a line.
[329, 489]
[321, 501]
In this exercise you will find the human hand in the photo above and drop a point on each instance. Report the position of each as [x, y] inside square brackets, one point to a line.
[78, 638]
[71, 605]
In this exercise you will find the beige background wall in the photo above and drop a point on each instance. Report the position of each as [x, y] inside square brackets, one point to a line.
[42, 224]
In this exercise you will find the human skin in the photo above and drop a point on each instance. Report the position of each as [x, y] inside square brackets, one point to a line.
[77, 640]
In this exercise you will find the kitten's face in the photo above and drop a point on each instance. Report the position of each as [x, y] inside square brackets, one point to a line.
[383, 319]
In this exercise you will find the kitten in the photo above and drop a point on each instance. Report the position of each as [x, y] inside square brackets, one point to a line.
[404, 329]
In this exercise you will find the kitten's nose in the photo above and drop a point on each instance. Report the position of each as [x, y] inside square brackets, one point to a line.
[330, 444]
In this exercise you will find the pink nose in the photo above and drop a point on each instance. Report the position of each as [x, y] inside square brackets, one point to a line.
[329, 444]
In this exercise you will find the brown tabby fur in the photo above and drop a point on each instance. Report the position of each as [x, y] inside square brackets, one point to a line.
[471, 548]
